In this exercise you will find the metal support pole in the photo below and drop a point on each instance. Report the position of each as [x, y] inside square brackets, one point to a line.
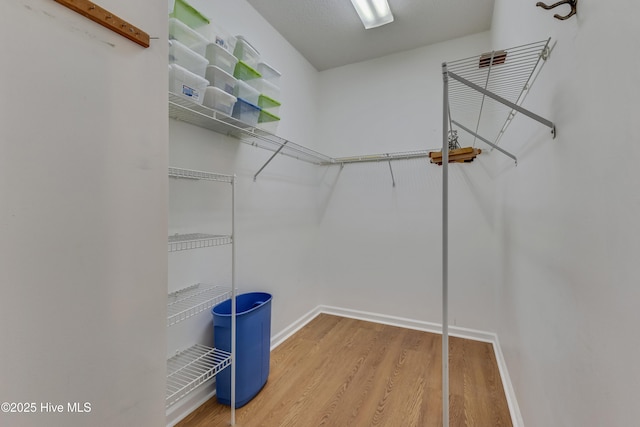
[269, 161]
[501, 100]
[392, 177]
[486, 141]
[445, 247]
[234, 357]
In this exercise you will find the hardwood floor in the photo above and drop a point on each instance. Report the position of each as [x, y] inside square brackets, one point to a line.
[338, 371]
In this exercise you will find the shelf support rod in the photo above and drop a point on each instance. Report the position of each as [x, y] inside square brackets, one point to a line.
[269, 161]
[234, 356]
[445, 246]
[393, 179]
[486, 141]
[501, 100]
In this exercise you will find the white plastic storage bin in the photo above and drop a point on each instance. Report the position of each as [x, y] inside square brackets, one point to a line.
[246, 112]
[187, 84]
[218, 35]
[220, 57]
[218, 99]
[245, 52]
[269, 73]
[265, 87]
[187, 36]
[220, 78]
[247, 92]
[186, 58]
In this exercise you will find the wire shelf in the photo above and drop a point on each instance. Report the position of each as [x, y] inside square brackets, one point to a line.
[182, 242]
[508, 73]
[191, 368]
[188, 302]
[199, 175]
[184, 110]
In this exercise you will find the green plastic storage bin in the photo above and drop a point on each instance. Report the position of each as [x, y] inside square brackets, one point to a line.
[266, 102]
[266, 116]
[244, 71]
[188, 14]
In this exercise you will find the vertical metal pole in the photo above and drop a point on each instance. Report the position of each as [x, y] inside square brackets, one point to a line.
[445, 247]
[233, 301]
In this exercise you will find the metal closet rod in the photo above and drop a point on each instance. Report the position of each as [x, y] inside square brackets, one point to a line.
[369, 158]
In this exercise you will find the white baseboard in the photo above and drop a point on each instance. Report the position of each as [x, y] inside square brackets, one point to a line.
[455, 331]
[190, 403]
[279, 338]
[514, 409]
[419, 325]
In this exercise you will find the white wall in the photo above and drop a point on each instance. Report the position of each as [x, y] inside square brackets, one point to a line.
[383, 244]
[83, 158]
[566, 219]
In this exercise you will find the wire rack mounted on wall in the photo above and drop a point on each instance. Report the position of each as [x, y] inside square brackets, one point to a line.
[198, 115]
[187, 302]
[191, 368]
[183, 242]
[486, 91]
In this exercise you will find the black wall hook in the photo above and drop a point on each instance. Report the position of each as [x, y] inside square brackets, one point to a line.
[572, 3]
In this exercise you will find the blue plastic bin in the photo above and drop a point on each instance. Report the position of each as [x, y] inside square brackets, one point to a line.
[253, 342]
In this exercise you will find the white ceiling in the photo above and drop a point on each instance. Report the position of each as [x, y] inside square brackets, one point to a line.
[329, 33]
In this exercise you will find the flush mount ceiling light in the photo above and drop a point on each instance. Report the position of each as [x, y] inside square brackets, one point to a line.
[373, 13]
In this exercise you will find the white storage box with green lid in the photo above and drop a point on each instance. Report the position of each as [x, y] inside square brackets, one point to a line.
[188, 14]
[245, 52]
[187, 36]
[265, 87]
[268, 121]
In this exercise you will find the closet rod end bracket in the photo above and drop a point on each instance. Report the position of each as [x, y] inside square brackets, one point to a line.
[554, 132]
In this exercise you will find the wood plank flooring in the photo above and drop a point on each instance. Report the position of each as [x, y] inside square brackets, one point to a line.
[338, 371]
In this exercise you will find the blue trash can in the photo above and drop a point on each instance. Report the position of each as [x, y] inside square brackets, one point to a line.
[253, 345]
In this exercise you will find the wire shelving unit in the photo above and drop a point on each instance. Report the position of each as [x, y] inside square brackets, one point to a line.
[191, 368]
[195, 366]
[187, 111]
[187, 302]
